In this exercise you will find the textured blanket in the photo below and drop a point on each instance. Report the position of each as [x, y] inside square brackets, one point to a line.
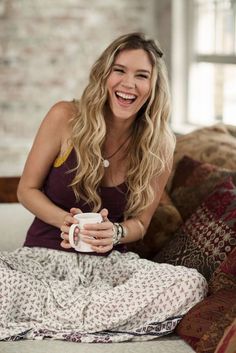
[76, 297]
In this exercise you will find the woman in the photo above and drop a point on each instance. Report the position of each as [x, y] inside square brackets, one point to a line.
[110, 152]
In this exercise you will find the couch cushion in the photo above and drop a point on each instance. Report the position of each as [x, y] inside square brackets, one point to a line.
[215, 144]
[15, 221]
[165, 221]
[193, 181]
[208, 236]
[225, 275]
[167, 344]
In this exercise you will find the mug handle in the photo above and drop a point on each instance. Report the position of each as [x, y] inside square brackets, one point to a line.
[71, 234]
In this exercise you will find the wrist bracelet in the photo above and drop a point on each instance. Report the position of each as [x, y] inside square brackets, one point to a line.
[119, 232]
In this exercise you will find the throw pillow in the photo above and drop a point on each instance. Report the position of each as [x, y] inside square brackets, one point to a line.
[193, 181]
[208, 236]
[164, 223]
[214, 144]
[227, 343]
[203, 326]
[225, 275]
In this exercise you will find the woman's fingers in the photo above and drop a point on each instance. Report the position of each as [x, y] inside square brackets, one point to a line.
[97, 234]
[93, 240]
[65, 244]
[104, 214]
[101, 229]
[100, 235]
[75, 211]
[68, 221]
[102, 249]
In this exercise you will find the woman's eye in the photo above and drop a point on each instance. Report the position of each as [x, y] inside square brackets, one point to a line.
[118, 70]
[142, 76]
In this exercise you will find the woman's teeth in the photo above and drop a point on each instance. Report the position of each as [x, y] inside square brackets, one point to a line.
[129, 98]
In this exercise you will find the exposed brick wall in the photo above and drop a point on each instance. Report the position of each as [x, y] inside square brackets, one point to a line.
[46, 50]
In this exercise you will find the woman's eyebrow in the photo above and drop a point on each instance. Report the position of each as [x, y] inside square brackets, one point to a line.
[138, 70]
[143, 70]
[123, 66]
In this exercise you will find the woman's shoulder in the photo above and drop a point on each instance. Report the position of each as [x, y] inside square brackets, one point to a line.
[63, 109]
[59, 118]
[60, 114]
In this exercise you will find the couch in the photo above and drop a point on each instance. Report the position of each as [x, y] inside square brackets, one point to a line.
[194, 226]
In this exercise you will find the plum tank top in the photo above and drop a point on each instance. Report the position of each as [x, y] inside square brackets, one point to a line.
[57, 188]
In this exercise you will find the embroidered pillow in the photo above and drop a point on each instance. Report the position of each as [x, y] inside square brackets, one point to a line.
[225, 275]
[208, 236]
[193, 181]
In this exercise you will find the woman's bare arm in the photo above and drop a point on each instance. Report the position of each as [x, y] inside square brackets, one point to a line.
[137, 227]
[48, 144]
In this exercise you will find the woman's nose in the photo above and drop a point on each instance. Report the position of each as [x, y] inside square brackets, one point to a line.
[128, 82]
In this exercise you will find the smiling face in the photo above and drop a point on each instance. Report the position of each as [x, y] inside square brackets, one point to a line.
[129, 83]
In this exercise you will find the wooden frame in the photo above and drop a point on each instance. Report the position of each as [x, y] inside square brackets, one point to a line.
[8, 189]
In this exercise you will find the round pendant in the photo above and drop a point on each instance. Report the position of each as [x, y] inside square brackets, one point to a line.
[106, 163]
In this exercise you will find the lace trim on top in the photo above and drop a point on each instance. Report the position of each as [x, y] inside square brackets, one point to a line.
[62, 158]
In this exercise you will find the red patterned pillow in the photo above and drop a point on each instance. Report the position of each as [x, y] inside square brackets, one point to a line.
[193, 181]
[208, 236]
[203, 326]
[225, 275]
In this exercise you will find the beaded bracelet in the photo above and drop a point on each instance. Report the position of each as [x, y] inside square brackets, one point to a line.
[119, 232]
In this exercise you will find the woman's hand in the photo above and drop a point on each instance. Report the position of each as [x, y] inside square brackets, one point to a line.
[99, 235]
[68, 221]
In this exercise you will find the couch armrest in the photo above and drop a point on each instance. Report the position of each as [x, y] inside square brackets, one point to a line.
[8, 187]
[14, 223]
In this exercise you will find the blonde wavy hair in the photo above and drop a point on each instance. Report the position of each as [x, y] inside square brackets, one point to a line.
[152, 142]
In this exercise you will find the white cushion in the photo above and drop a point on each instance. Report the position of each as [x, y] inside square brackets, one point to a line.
[14, 223]
[167, 344]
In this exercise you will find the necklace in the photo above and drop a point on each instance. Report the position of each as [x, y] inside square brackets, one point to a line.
[106, 162]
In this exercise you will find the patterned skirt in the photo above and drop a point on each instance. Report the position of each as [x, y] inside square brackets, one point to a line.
[85, 298]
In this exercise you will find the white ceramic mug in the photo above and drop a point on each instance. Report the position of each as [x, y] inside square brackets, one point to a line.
[83, 218]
